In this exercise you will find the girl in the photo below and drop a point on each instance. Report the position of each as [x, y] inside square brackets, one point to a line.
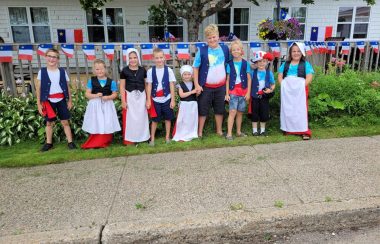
[295, 75]
[186, 127]
[134, 100]
[100, 119]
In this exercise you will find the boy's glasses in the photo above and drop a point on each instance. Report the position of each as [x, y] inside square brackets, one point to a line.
[52, 57]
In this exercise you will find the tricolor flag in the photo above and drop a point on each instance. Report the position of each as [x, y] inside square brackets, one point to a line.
[345, 48]
[375, 46]
[147, 51]
[6, 53]
[169, 36]
[360, 45]
[125, 47]
[25, 52]
[183, 51]
[322, 47]
[109, 50]
[70, 35]
[314, 34]
[68, 50]
[331, 47]
[200, 44]
[89, 51]
[314, 47]
[42, 49]
[275, 47]
[255, 47]
[308, 50]
[166, 49]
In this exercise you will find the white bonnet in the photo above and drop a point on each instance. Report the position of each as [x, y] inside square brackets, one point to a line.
[186, 68]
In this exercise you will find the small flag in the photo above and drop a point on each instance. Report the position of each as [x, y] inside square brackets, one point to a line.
[43, 48]
[232, 37]
[328, 32]
[6, 53]
[331, 47]
[89, 51]
[360, 45]
[255, 47]
[308, 50]
[284, 14]
[169, 36]
[275, 47]
[68, 50]
[109, 51]
[375, 46]
[125, 47]
[70, 35]
[166, 49]
[183, 51]
[314, 34]
[25, 52]
[147, 51]
[345, 48]
[200, 44]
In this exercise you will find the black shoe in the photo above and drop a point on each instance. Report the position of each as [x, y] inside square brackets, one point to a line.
[264, 133]
[46, 147]
[255, 134]
[72, 145]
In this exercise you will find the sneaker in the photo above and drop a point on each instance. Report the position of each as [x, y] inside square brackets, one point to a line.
[305, 137]
[241, 135]
[46, 147]
[264, 133]
[72, 145]
[151, 143]
[229, 138]
[255, 133]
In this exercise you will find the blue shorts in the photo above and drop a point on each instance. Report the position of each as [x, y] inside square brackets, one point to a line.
[163, 110]
[237, 103]
[60, 108]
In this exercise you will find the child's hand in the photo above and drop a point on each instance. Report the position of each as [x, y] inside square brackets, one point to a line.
[99, 94]
[247, 97]
[267, 90]
[39, 106]
[227, 98]
[199, 89]
[172, 104]
[69, 104]
[124, 105]
[148, 104]
[193, 92]
[105, 98]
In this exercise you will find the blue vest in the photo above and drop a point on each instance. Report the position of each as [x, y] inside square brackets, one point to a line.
[243, 74]
[255, 82]
[203, 69]
[46, 83]
[165, 81]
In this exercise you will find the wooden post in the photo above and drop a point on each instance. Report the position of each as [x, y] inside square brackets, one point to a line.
[32, 84]
[370, 60]
[353, 59]
[377, 61]
[22, 77]
[5, 77]
[79, 84]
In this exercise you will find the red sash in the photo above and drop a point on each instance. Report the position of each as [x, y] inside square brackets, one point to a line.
[47, 110]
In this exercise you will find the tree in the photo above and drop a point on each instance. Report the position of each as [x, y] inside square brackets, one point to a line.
[193, 11]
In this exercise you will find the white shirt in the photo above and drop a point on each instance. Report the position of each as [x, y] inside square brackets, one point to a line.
[160, 75]
[54, 76]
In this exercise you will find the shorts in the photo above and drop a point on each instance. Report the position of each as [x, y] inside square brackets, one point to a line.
[237, 103]
[163, 111]
[260, 109]
[212, 97]
[60, 108]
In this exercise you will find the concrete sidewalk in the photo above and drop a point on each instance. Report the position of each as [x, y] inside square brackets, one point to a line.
[214, 195]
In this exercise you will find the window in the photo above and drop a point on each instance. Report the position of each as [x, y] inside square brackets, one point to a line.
[29, 24]
[298, 13]
[105, 25]
[235, 20]
[353, 22]
[157, 30]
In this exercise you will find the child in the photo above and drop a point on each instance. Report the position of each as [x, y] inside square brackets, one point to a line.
[160, 88]
[134, 100]
[295, 75]
[238, 88]
[54, 96]
[186, 127]
[210, 78]
[263, 85]
[100, 119]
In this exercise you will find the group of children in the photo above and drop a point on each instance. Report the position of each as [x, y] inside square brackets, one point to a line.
[218, 75]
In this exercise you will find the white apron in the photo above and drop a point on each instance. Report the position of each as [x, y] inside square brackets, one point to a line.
[187, 121]
[136, 128]
[293, 105]
[100, 117]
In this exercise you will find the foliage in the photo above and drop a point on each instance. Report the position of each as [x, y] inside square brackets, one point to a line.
[269, 29]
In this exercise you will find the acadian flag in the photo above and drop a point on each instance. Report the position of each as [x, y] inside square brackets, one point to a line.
[345, 48]
[89, 51]
[284, 14]
[255, 47]
[147, 51]
[360, 45]
[42, 49]
[200, 44]
[183, 51]
[109, 51]
[70, 35]
[375, 46]
[6, 53]
[166, 48]
[314, 34]
[308, 50]
[68, 50]
[331, 47]
[275, 47]
[25, 52]
[125, 47]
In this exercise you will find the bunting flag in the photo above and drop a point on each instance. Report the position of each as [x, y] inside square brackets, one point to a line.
[125, 47]
[89, 51]
[183, 51]
[375, 46]
[255, 47]
[322, 47]
[25, 52]
[166, 48]
[68, 50]
[314, 47]
[147, 51]
[109, 50]
[222, 43]
[6, 53]
[42, 49]
[200, 44]
[345, 48]
[331, 47]
[308, 50]
[275, 47]
[314, 34]
[360, 45]
[70, 35]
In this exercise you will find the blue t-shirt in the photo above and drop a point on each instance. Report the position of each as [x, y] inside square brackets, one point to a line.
[238, 68]
[261, 74]
[102, 84]
[293, 69]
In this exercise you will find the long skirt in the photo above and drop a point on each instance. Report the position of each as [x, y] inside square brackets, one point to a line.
[186, 126]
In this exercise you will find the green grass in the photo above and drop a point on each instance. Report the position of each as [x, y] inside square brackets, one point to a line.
[27, 153]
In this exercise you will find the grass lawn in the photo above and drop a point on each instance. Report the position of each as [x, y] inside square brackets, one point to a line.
[27, 153]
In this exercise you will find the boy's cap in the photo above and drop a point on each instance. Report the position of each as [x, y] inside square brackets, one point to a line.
[186, 68]
[257, 56]
[301, 46]
[130, 50]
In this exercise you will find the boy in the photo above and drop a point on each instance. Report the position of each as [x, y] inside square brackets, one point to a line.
[210, 78]
[53, 96]
[160, 88]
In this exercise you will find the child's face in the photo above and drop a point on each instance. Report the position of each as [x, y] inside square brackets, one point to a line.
[236, 51]
[159, 59]
[213, 40]
[295, 53]
[100, 70]
[261, 64]
[52, 59]
[133, 60]
[186, 76]
[254, 65]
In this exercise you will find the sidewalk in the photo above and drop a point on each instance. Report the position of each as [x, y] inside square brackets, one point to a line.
[214, 195]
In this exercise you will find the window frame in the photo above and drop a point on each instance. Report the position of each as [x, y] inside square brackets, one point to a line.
[353, 22]
[182, 25]
[232, 25]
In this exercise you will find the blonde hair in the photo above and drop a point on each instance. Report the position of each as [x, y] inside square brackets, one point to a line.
[99, 61]
[157, 50]
[52, 50]
[211, 29]
[237, 43]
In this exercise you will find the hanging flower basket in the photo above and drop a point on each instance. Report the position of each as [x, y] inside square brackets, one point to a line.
[269, 29]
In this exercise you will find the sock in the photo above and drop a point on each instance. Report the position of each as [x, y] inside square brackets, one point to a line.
[262, 129]
[254, 130]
